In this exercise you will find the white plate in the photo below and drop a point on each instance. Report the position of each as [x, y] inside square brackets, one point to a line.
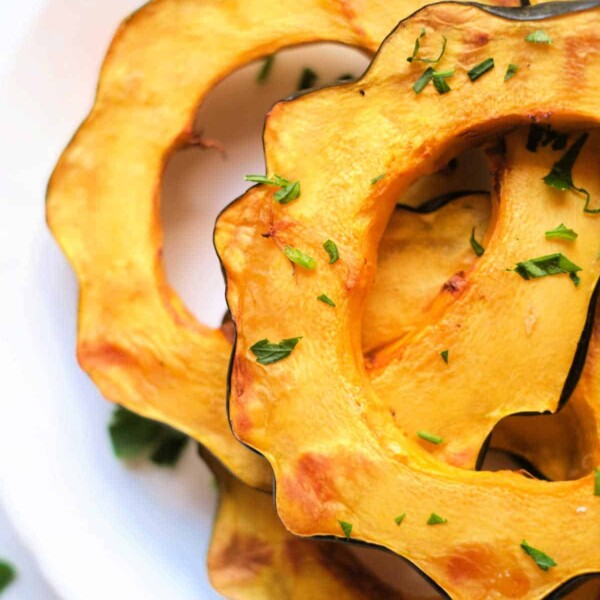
[98, 529]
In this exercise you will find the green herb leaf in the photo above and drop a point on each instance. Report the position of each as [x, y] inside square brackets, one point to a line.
[511, 71]
[346, 528]
[132, 435]
[477, 247]
[433, 61]
[170, 448]
[439, 81]
[307, 80]
[561, 175]
[299, 258]
[543, 561]
[481, 69]
[326, 299]
[400, 518]
[435, 519]
[430, 437]
[417, 45]
[422, 82]
[268, 353]
[596, 481]
[332, 250]
[7, 574]
[265, 70]
[377, 179]
[539, 36]
[445, 355]
[562, 232]
[290, 190]
[552, 264]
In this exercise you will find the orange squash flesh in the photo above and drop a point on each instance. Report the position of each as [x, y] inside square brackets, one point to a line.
[337, 451]
[136, 339]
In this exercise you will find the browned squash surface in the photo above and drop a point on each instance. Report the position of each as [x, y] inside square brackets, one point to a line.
[335, 445]
[136, 339]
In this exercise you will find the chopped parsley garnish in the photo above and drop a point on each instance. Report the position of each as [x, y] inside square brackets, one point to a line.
[332, 250]
[445, 354]
[596, 481]
[132, 436]
[326, 299]
[552, 264]
[400, 518]
[511, 71]
[477, 247]
[422, 82]
[377, 179]
[561, 175]
[544, 135]
[267, 352]
[7, 574]
[562, 232]
[346, 528]
[265, 70]
[430, 437]
[417, 47]
[481, 69]
[308, 79]
[439, 81]
[539, 36]
[289, 190]
[435, 519]
[543, 561]
[300, 258]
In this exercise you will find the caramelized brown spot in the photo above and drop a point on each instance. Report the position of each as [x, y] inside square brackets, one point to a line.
[480, 567]
[476, 39]
[456, 284]
[242, 558]
[102, 355]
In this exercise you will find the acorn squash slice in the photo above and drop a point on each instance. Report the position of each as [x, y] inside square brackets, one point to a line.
[252, 556]
[337, 450]
[136, 339]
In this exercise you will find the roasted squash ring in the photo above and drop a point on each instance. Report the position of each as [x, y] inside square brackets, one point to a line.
[335, 449]
[136, 339]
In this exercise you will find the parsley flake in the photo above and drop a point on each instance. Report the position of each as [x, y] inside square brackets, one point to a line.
[511, 71]
[265, 70]
[417, 47]
[435, 519]
[552, 264]
[561, 175]
[308, 79]
[596, 481]
[267, 352]
[422, 82]
[346, 528]
[543, 561]
[132, 435]
[289, 190]
[300, 258]
[326, 300]
[477, 247]
[539, 36]
[400, 518]
[7, 574]
[377, 179]
[430, 437]
[562, 232]
[439, 81]
[332, 250]
[445, 354]
[481, 69]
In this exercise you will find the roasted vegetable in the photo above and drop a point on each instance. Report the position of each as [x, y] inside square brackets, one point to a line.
[136, 339]
[338, 449]
[253, 557]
